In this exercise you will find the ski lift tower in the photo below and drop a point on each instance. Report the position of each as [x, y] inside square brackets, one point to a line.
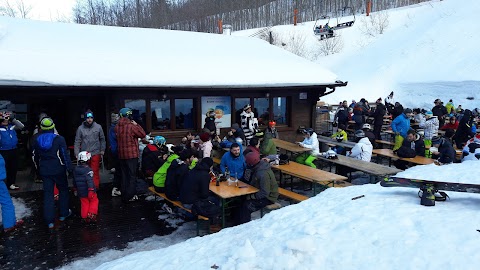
[227, 29]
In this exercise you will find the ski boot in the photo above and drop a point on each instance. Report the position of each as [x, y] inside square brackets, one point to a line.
[428, 195]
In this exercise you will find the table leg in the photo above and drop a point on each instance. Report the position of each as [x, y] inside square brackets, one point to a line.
[223, 212]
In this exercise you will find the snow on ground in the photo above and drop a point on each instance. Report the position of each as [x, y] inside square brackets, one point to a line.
[386, 229]
[428, 51]
[21, 209]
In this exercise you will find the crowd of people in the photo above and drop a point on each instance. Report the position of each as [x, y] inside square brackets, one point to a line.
[416, 131]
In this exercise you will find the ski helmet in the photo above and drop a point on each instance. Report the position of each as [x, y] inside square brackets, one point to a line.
[159, 140]
[359, 134]
[84, 156]
[366, 126]
[47, 124]
[272, 124]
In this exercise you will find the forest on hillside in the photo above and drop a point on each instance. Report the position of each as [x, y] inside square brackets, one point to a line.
[204, 15]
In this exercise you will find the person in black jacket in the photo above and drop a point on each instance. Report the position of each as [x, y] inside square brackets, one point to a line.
[378, 115]
[464, 131]
[196, 183]
[359, 111]
[210, 122]
[341, 117]
[439, 111]
[85, 187]
[153, 156]
[411, 147]
[176, 172]
[445, 153]
[395, 110]
[52, 159]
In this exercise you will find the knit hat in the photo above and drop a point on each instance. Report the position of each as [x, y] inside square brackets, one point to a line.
[207, 161]
[407, 110]
[252, 158]
[205, 137]
[47, 124]
[88, 114]
[114, 117]
[436, 140]
[235, 126]
[429, 114]
[125, 112]
[246, 107]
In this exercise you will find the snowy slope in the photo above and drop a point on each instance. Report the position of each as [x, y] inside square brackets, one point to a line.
[428, 51]
[40, 53]
[386, 229]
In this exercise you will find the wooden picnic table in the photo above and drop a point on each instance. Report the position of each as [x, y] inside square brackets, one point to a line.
[328, 140]
[288, 146]
[226, 192]
[310, 174]
[390, 155]
[364, 166]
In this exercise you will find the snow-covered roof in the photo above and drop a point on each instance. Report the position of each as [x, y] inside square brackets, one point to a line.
[46, 53]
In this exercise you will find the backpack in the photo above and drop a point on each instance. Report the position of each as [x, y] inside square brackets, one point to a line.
[284, 159]
[206, 208]
[406, 152]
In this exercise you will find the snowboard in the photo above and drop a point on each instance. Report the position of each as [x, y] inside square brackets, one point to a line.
[438, 185]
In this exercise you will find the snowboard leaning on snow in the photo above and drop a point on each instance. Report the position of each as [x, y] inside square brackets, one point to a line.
[418, 183]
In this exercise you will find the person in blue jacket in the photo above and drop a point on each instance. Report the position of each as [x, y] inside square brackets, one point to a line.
[112, 140]
[51, 158]
[400, 126]
[8, 146]
[9, 220]
[235, 161]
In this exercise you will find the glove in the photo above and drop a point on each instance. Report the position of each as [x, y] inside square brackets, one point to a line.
[91, 194]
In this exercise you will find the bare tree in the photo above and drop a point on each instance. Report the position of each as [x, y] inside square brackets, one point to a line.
[7, 9]
[16, 8]
[23, 9]
[375, 24]
[331, 45]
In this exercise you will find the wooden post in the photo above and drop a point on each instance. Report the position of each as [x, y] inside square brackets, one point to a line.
[295, 13]
[270, 37]
[220, 27]
[369, 7]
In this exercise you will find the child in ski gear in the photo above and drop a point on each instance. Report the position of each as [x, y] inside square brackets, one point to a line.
[51, 158]
[8, 146]
[310, 142]
[340, 136]
[9, 220]
[84, 184]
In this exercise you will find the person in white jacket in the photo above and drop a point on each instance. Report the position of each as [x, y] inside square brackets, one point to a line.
[362, 149]
[430, 127]
[310, 142]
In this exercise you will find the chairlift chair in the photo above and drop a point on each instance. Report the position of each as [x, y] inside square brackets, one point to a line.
[324, 32]
[345, 24]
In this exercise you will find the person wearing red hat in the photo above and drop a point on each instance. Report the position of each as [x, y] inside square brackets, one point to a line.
[272, 129]
[262, 177]
[206, 145]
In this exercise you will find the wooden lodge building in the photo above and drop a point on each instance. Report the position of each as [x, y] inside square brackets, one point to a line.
[170, 78]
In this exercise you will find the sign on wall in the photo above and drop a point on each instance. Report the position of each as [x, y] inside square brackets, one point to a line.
[222, 108]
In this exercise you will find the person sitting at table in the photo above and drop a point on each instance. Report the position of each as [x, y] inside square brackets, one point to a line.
[206, 145]
[267, 147]
[176, 172]
[400, 126]
[264, 179]
[272, 129]
[253, 146]
[310, 142]
[442, 150]
[362, 151]
[452, 124]
[196, 183]
[340, 136]
[418, 116]
[411, 147]
[369, 134]
[234, 161]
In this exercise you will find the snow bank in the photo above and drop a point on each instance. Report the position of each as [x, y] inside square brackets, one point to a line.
[21, 209]
[386, 229]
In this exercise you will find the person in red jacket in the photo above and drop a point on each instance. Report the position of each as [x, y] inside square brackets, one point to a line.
[452, 124]
[128, 132]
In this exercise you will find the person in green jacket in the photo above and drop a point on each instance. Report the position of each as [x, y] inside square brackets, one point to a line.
[340, 136]
[161, 175]
[268, 147]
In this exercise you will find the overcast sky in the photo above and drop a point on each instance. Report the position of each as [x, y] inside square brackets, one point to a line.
[49, 10]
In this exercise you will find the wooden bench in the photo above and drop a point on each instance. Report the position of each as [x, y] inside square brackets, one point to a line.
[180, 205]
[291, 195]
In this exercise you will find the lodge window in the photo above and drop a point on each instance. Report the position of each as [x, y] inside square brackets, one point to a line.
[184, 114]
[261, 111]
[139, 109]
[161, 114]
[280, 112]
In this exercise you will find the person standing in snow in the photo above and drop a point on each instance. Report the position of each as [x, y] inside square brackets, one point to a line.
[52, 160]
[439, 111]
[128, 132]
[464, 131]
[90, 138]
[450, 107]
[310, 142]
[248, 122]
[10, 222]
[359, 111]
[430, 127]
[400, 126]
[378, 115]
[8, 146]
[83, 182]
